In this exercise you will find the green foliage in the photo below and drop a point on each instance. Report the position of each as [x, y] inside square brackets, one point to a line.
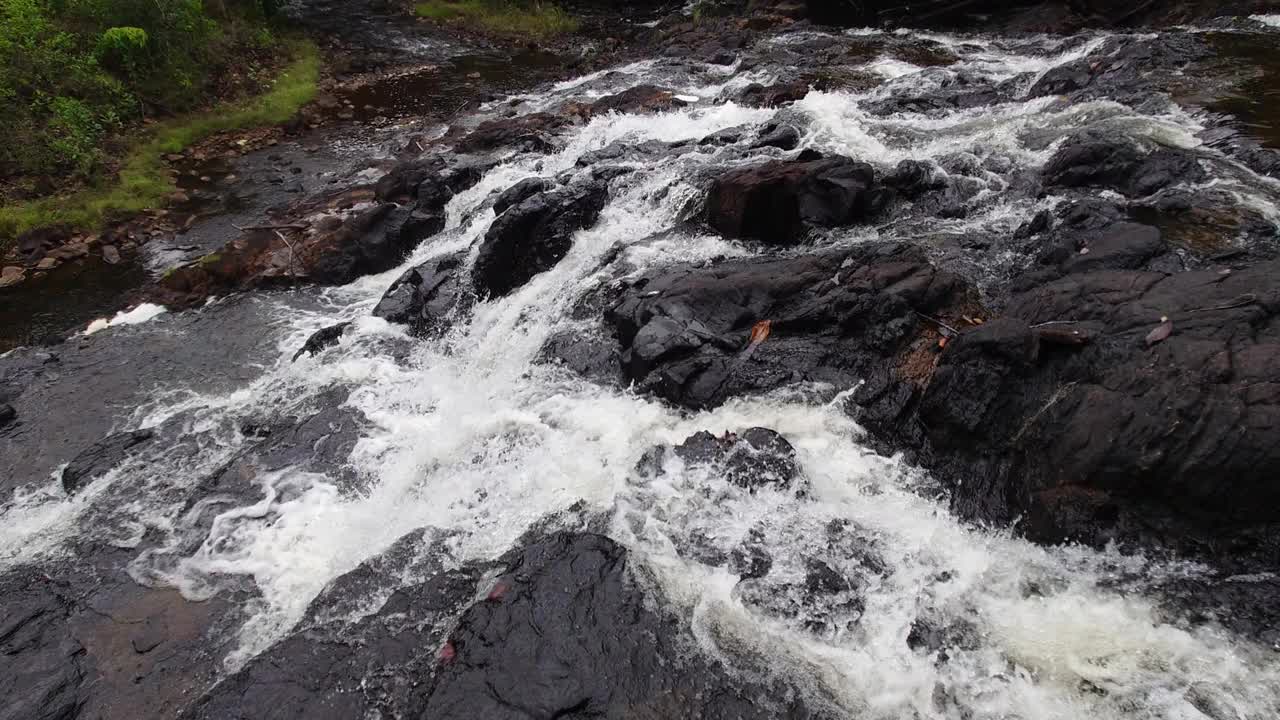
[514, 17]
[123, 49]
[75, 72]
[142, 182]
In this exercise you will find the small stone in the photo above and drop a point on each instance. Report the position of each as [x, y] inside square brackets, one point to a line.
[110, 254]
[205, 179]
[12, 275]
[179, 197]
[173, 157]
[48, 263]
[230, 178]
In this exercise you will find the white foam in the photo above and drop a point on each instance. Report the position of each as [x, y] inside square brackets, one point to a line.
[145, 312]
[1268, 20]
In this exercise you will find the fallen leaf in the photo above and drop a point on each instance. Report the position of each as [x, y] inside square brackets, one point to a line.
[1161, 332]
[760, 331]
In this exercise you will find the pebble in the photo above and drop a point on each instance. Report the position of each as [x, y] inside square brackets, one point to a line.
[48, 263]
[12, 275]
[110, 254]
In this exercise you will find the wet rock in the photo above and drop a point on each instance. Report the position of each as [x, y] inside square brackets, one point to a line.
[750, 560]
[520, 192]
[429, 297]
[587, 354]
[7, 414]
[1114, 437]
[1092, 160]
[571, 602]
[41, 669]
[751, 458]
[912, 178]
[685, 331]
[638, 100]
[534, 235]
[1064, 79]
[111, 255]
[757, 95]
[101, 458]
[778, 202]
[334, 667]
[321, 339]
[526, 133]
[783, 137]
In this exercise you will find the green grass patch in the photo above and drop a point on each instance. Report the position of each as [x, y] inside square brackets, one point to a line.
[531, 18]
[142, 182]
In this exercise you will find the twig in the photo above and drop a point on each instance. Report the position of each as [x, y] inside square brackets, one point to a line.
[1242, 301]
[1056, 322]
[277, 228]
[954, 332]
[289, 245]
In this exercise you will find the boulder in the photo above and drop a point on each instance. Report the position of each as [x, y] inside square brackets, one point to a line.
[751, 458]
[637, 100]
[321, 339]
[520, 192]
[534, 235]
[428, 297]
[777, 95]
[778, 202]
[783, 137]
[686, 332]
[571, 602]
[1093, 160]
[99, 459]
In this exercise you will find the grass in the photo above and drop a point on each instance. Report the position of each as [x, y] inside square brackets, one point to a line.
[142, 182]
[534, 18]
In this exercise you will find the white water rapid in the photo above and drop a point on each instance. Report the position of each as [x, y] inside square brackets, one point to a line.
[471, 434]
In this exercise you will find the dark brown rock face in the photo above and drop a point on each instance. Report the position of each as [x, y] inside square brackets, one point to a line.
[777, 202]
[534, 235]
[686, 332]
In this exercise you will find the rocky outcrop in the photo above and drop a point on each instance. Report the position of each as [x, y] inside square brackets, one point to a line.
[100, 459]
[429, 297]
[571, 602]
[1091, 160]
[406, 207]
[534, 235]
[526, 133]
[752, 458]
[699, 335]
[778, 202]
[637, 100]
[322, 339]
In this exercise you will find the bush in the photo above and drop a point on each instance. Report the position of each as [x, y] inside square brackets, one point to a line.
[74, 71]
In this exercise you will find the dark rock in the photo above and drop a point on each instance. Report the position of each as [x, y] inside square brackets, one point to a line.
[834, 317]
[784, 137]
[638, 99]
[534, 235]
[757, 95]
[568, 603]
[7, 414]
[751, 459]
[1064, 79]
[429, 297]
[1090, 160]
[911, 178]
[778, 201]
[751, 560]
[520, 192]
[334, 669]
[527, 133]
[41, 668]
[101, 458]
[593, 357]
[321, 339]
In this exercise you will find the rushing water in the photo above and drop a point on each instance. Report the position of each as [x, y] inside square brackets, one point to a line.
[469, 433]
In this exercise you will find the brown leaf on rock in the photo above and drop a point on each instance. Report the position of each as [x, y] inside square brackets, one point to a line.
[760, 331]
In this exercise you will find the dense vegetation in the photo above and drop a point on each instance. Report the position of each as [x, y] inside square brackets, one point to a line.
[73, 73]
[517, 17]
